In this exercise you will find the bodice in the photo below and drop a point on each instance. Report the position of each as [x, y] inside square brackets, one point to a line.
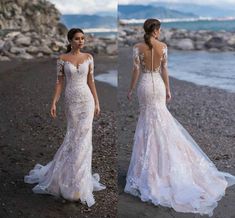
[139, 61]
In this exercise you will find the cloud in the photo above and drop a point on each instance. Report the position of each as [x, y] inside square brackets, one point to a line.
[84, 6]
[200, 2]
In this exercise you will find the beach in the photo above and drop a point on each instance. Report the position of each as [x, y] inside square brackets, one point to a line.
[207, 114]
[29, 136]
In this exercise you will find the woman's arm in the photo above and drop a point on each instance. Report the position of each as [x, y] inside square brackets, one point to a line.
[91, 84]
[135, 71]
[58, 87]
[164, 74]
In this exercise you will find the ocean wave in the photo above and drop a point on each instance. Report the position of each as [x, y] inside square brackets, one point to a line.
[100, 30]
[169, 20]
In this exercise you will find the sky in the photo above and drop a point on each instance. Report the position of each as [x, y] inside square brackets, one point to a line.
[85, 6]
[110, 6]
[200, 2]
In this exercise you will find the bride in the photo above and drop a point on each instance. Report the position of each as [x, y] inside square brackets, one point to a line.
[69, 173]
[167, 166]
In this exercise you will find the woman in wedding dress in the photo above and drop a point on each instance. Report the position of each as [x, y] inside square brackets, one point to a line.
[69, 174]
[167, 166]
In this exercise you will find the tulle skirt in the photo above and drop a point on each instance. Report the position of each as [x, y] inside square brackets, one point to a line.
[167, 166]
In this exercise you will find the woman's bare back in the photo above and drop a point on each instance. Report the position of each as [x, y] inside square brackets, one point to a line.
[159, 55]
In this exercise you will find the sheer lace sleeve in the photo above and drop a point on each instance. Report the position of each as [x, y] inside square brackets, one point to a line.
[59, 69]
[136, 59]
[164, 58]
[91, 67]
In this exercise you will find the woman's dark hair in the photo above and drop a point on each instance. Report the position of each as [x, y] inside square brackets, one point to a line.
[70, 36]
[149, 26]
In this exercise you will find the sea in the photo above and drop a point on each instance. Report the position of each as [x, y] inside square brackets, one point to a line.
[202, 23]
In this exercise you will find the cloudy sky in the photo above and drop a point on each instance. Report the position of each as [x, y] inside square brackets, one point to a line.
[85, 7]
[96, 6]
[201, 2]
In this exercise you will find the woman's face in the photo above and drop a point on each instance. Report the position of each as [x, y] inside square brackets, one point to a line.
[78, 41]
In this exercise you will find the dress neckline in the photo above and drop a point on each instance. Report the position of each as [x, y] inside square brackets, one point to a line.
[76, 66]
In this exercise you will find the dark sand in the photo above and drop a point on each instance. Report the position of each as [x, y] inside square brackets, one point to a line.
[209, 116]
[29, 136]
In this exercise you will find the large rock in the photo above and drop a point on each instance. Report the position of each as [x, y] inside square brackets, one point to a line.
[231, 41]
[185, 44]
[32, 50]
[45, 50]
[111, 49]
[215, 42]
[1, 45]
[23, 40]
[16, 50]
[25, 56]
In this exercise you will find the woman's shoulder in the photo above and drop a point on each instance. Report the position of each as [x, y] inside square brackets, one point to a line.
[62, 57]
[139, 45]
[162, 44]
[89, 55]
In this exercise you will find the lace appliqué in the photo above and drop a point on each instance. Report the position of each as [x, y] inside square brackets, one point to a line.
[59, 69]
[164, 58]
[91, 68]
[136, 59]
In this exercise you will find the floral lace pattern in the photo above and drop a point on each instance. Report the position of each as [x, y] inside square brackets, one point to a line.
[69, 174]
[138, 60]
[167, 166]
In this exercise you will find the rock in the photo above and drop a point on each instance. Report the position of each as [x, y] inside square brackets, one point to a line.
[214, 49]
[16, 50]
[32, 50]
[57, 46]
[173, 43]
[122, 33]
[40, 54]
[45, 50]
[111, 49]
[185, 44]
[1, 44]
[25, 56]
[167, 35]
[130, 32]
[231, 41]
[12, 35]
[215, 42]
[199, 45]
[180, 34]
[23, 40]
[4, 58]
[7, 45]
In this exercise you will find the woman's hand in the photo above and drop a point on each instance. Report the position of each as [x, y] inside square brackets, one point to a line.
[53, 110]
[129, 95]
[168, 95]
[97, 109]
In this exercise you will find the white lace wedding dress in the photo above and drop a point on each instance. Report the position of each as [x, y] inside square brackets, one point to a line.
[167, 166]
[69, 174]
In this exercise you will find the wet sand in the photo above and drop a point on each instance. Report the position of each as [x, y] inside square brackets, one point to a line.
[29, 136]
[208, 115]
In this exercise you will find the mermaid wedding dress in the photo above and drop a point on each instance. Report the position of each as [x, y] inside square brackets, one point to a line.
[167, 166]
[69, 173]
